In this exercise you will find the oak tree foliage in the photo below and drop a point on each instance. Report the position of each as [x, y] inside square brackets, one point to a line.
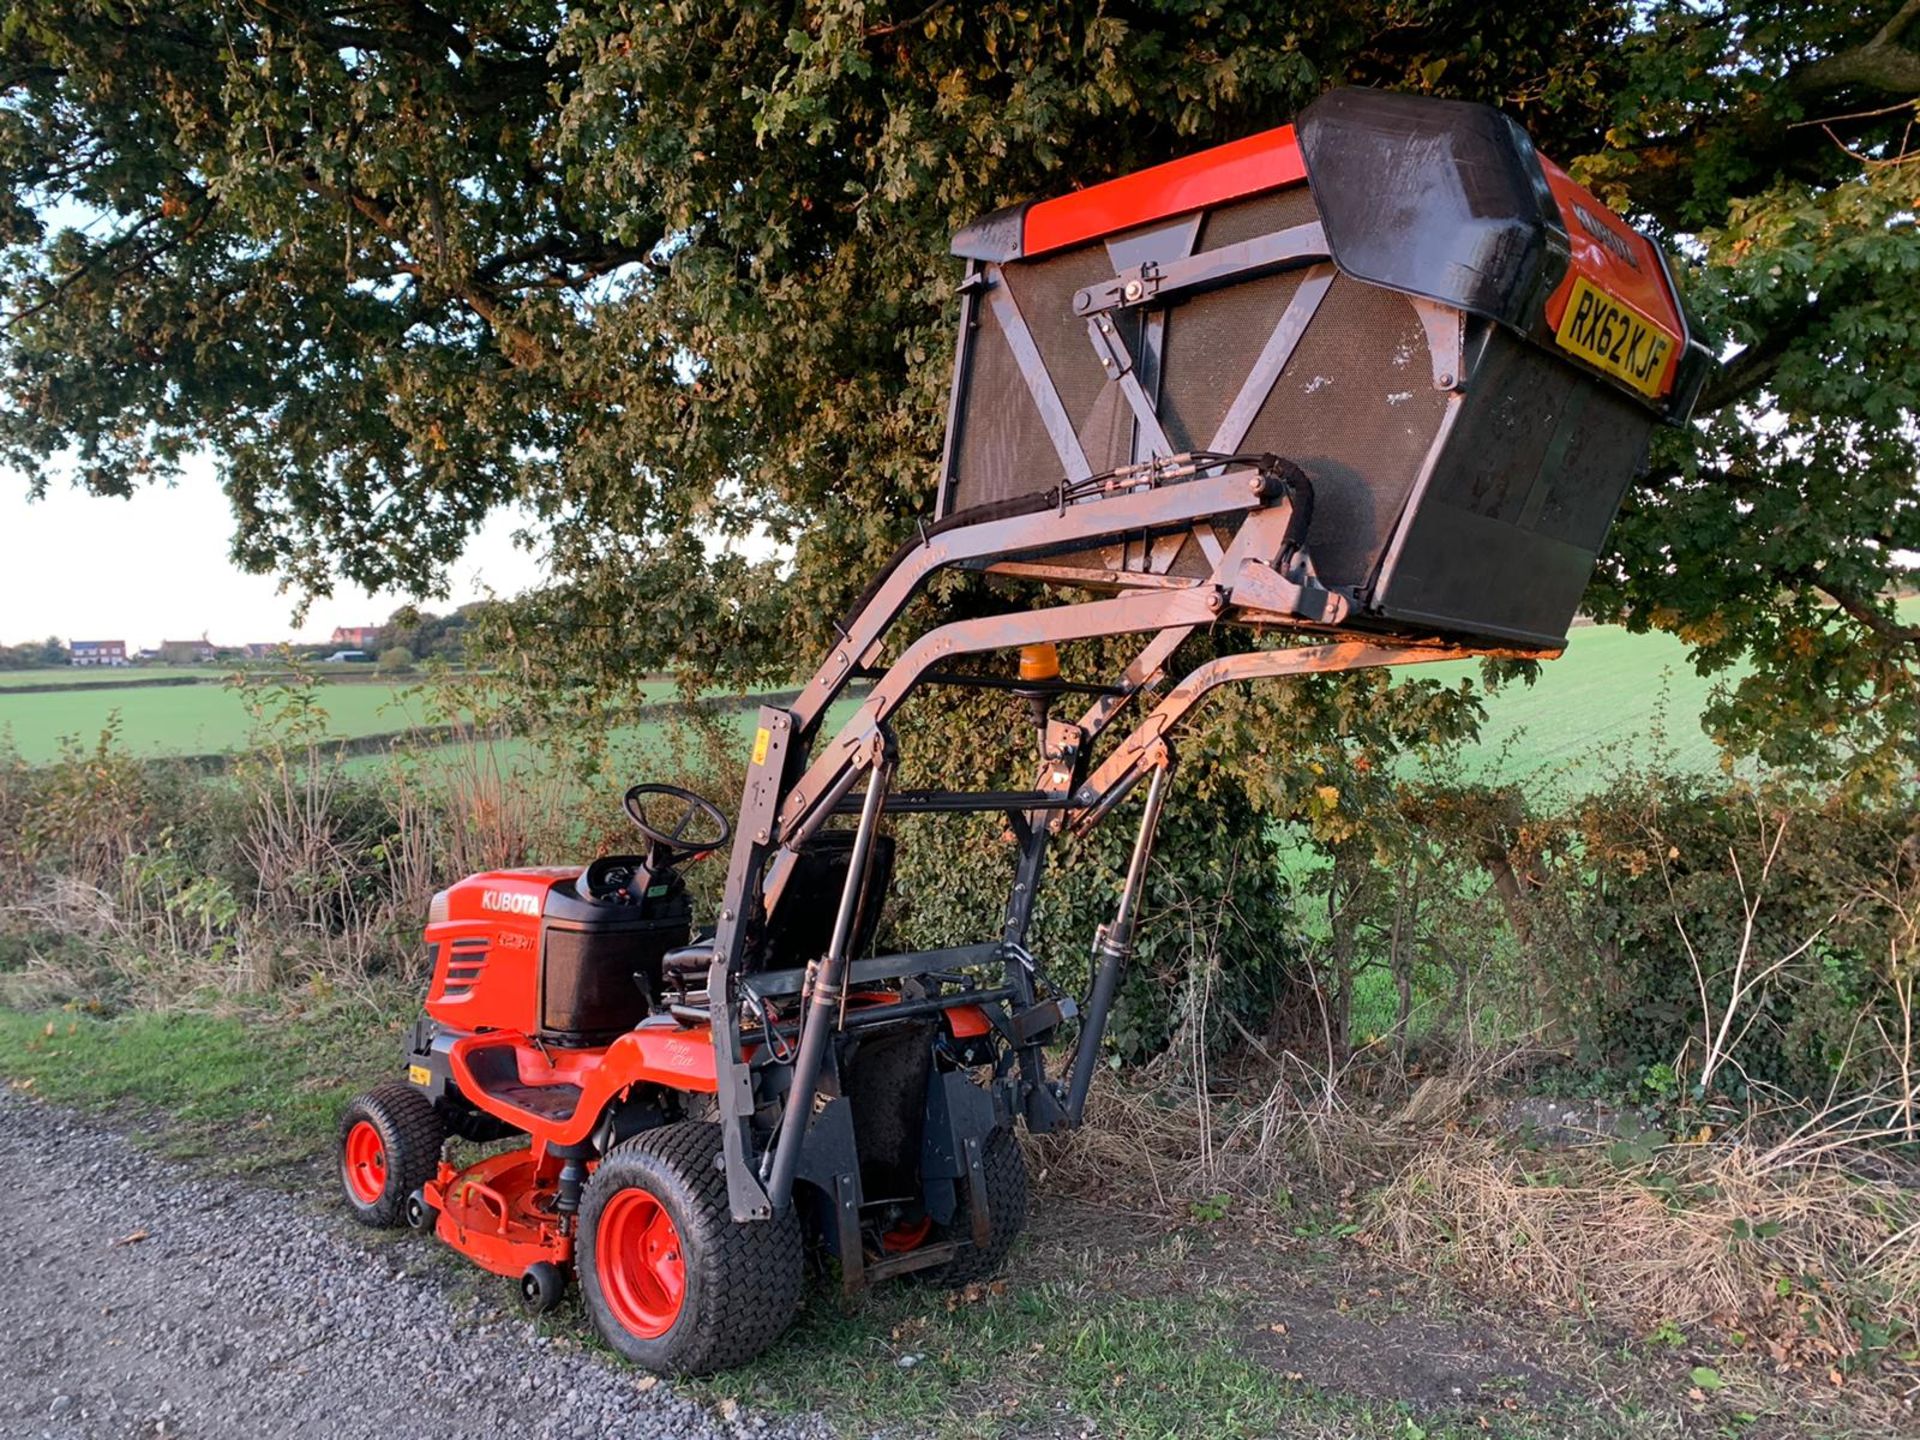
[674, 274]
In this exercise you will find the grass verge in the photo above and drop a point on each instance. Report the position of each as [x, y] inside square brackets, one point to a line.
[1097, 1328]
[260, 1090]
[1042, 1354]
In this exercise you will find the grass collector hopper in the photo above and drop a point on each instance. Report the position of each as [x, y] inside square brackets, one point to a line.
[1376, 383]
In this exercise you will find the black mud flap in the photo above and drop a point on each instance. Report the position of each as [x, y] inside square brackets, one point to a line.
[960, 1119]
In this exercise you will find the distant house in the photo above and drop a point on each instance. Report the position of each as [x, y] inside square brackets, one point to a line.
[264, 649]
[187, 652]
[356, 637]
[98, 652]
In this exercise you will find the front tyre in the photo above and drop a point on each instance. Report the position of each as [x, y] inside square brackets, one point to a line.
[1004, 1167]
[671, 1280]
[390, 1141]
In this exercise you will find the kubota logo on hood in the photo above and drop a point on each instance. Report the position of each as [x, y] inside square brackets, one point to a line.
[509, 902]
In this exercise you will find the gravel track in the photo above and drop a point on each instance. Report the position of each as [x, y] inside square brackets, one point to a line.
[248, 1313]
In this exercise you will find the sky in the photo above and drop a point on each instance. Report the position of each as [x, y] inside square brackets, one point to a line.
[155, 568]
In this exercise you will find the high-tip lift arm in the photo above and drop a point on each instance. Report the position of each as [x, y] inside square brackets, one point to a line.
[798, 779]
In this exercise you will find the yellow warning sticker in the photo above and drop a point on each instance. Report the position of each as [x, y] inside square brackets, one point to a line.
[419, 1074]
[761, 738]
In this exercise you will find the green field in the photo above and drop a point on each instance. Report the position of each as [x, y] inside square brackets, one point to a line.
[207, 718]
[186, 719]
[651, 749]
[109, 674]
[1612, 696]
[129, 675]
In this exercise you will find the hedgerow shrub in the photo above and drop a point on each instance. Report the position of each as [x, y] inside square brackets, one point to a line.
[1673, 918]
[1737, 937]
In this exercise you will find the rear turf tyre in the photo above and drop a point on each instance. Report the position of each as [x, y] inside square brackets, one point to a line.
[1005, 1168]
[671, 1280]
[390, 1141]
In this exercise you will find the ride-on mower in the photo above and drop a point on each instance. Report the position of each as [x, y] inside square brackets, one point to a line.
[1362, 392]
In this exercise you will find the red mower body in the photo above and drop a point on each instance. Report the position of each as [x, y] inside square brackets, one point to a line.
[484, 935]
[542, 1001]
[499, 1213]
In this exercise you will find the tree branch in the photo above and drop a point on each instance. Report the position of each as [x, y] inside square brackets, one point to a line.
[1868, 616]
[520, 345]
[1902, 18]
[1741, 376]
[81, 272]
[873, 32]
[1880, 64]
[591, 253]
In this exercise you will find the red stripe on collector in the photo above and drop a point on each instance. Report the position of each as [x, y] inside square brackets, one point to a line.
[1227, 172]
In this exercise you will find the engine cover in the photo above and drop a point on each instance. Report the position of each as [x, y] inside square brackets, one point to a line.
[520, 950]
[484, 935]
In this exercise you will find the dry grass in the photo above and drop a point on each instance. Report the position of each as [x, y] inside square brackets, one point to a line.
[325, 880]
[472, 810]
[1808, 1273]
[1810, 1268]
[1799, 1257]
[1798, 1243]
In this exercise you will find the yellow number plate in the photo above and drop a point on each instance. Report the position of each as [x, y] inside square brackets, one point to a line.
[419, 1074]
[1618, 340]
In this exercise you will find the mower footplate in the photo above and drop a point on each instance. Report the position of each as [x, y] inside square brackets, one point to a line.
[499, 1214]
[549, 1102]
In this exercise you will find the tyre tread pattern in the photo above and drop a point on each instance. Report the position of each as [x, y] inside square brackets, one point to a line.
[413, 1132]
[1006, 1174]
[750, 1277]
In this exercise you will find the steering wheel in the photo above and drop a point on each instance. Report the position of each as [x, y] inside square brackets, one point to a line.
[684, 838]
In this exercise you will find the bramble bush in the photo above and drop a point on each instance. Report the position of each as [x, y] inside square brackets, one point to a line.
[1749, 937]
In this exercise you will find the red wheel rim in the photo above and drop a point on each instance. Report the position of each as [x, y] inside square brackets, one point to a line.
[363, 1160]
[908, 1235]
[638, 1259]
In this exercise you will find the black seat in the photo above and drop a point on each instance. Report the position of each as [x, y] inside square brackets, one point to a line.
[686, 968]
[806, 915]
[803, 925]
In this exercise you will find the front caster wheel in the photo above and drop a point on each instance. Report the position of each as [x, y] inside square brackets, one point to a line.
[419, 1214]
[390, 1141]
[541, 1287]
[671, 1280]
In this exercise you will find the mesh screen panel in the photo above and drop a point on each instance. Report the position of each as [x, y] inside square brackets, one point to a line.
[1517, 495]
[1045, 291]
[1262, 215]
[1002, 449]
[1356, 409]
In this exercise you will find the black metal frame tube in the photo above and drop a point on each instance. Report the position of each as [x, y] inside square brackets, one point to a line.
[823, 1002]
[1114, 944]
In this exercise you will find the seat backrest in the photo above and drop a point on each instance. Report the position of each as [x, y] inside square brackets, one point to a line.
[803, 925]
